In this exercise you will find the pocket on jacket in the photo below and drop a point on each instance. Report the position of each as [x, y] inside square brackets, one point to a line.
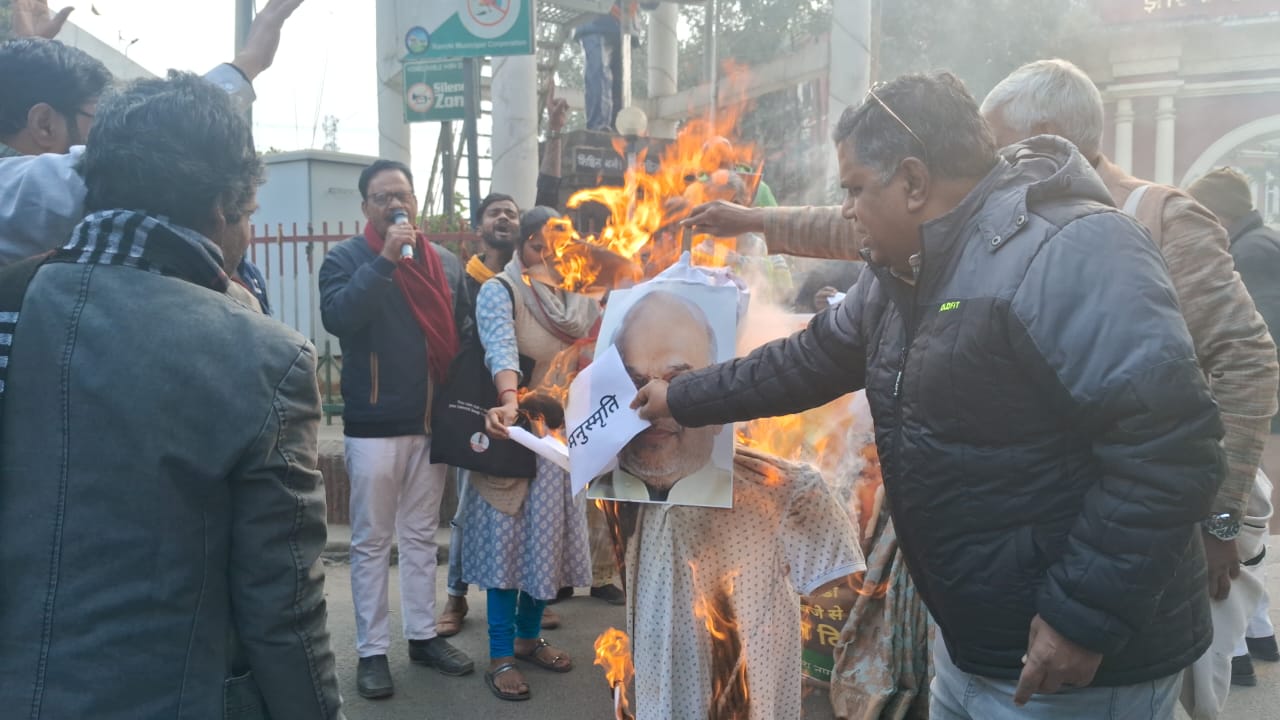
[242, 700]
[373, 378]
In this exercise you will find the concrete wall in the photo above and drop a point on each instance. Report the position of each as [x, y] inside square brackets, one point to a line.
[120, 66]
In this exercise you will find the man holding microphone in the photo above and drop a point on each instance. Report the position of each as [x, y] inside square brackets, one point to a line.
[396, 302]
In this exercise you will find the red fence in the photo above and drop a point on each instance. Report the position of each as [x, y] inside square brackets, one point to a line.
[290, 257]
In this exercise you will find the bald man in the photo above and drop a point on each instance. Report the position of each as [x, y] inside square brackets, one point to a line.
[661, 337]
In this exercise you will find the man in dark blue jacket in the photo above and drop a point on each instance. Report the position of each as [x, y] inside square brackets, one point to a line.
[1047, 439]
[396, 318]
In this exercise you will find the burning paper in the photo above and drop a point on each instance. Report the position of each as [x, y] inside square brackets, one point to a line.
[599, 417]
[548, 447]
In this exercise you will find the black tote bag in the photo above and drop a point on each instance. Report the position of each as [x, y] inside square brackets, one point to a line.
[458, 437]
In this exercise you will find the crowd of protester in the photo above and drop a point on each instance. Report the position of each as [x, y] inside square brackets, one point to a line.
[1070, 370]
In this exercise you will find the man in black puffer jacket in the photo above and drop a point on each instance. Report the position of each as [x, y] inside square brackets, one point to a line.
[1048, 441]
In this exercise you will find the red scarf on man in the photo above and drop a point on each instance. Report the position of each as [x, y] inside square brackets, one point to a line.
[426, 289]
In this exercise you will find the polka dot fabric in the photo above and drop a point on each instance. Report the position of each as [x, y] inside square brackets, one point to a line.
[784, 535]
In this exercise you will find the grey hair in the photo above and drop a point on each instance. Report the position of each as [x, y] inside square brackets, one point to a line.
[1053, 92]
[696, 312]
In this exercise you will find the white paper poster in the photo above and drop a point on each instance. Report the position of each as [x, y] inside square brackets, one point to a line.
[680, 322]
[599, 421]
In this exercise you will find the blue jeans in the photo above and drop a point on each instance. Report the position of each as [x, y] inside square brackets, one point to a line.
[455, 587]
[956, 695]
[599, 53]
[512, 614]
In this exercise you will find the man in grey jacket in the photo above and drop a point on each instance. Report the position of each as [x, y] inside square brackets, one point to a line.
[160, 535]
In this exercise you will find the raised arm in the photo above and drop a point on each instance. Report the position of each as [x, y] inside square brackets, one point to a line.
[351, 292]
[812, 367]
[818, 232]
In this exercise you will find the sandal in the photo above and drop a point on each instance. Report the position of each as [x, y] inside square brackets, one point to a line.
[490, 679]
[551, 665]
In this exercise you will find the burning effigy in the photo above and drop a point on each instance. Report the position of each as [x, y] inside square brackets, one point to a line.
[713, 593]
[713, 596]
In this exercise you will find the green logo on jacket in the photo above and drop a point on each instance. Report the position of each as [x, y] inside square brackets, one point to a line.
[947, 306]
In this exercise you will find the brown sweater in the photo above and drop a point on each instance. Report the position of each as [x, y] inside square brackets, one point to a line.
[1232, 343]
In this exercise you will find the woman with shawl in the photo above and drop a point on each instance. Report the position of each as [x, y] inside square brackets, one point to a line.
[526, 538]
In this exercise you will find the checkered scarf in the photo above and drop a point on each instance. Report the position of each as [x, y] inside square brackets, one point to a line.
[113, 237]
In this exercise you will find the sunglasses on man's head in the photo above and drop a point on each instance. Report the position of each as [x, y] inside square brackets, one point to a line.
[871, 93]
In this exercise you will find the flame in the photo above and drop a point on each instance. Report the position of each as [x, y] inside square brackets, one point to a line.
[613, 653]
[703, 163]
[730, 692]
[816, 436]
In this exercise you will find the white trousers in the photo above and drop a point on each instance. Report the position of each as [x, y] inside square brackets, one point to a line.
[395, 492]
[1207, 681]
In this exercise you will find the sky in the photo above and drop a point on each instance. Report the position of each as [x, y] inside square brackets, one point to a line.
[325, 65]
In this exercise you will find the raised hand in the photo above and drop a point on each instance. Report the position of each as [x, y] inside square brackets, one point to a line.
[264, 38]
[725, 219]
[31, 19]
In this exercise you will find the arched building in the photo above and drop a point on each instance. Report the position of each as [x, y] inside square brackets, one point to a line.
[1191, 85]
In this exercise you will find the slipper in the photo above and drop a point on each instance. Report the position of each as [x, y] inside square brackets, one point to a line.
[490, 679]
[544, 664]
[450, 623]
[550, 619]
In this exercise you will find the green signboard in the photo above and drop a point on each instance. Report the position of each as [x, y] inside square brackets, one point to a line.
[434, 29]
[435, 90]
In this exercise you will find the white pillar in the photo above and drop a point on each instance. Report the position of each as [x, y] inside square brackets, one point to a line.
[849, 68]
[393, 131]
[1124, 135]
[1166, 117]
[664, 57]
[515, 128]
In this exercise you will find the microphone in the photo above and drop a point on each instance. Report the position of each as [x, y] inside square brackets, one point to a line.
[400, 217]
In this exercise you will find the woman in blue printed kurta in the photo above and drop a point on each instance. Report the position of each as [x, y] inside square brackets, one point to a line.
[525, 537]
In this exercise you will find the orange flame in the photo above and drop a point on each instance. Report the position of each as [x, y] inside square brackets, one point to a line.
[816, 436]
[704, 162]
[613, 653]
[730, 692]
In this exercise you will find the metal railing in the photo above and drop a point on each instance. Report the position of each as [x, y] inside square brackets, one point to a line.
[290, 256]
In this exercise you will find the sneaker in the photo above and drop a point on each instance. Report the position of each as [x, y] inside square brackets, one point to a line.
[611, 594]
[439, 654]
[1242, 671]
[373, 677]
[1263, 648]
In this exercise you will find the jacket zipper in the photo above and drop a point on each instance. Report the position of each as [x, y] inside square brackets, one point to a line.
[373, 378]
[909, 334]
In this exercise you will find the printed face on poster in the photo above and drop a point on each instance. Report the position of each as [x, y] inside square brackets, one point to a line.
[663, 329]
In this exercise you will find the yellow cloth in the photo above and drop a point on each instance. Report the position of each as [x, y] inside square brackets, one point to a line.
[478, 270]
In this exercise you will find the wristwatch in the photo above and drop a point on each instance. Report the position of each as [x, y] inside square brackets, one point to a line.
[1223, 526]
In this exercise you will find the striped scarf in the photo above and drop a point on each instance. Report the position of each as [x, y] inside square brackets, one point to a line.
[113, 237]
